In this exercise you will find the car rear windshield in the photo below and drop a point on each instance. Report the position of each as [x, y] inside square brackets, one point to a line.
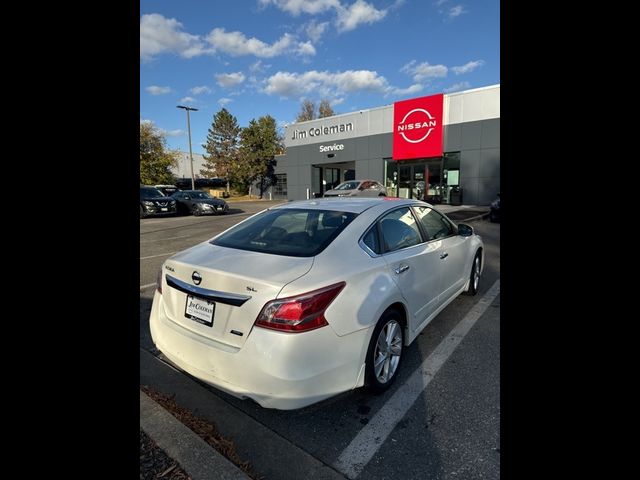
[288, 231]
[150, 193]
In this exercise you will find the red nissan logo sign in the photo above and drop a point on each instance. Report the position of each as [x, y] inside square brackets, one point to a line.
[417, 128]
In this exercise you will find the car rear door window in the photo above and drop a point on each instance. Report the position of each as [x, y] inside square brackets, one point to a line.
[371, 240]
[399, 230]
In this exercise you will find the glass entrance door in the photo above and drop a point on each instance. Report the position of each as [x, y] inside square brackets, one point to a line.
[419, 180]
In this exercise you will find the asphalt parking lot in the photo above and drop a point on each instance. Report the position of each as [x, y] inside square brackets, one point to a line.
[440, 420]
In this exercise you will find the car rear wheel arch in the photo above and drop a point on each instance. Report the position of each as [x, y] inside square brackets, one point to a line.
[395, 312]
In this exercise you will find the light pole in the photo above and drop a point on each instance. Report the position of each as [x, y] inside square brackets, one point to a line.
[193, 184]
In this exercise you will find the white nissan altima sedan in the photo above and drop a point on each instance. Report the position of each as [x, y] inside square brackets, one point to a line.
[309, 299]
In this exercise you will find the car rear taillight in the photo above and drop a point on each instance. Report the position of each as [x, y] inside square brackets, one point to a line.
[300, 313]
[159, 281]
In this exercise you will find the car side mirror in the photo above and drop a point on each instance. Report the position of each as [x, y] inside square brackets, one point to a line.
[465, 230]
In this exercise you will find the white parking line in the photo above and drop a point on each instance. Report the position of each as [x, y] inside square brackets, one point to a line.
[159, 255]
[144, 287]
[364, 446]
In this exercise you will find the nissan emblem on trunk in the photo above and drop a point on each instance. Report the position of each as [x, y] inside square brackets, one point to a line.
[196, 277]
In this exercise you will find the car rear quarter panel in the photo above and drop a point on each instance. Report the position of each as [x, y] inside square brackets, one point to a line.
[369, 289]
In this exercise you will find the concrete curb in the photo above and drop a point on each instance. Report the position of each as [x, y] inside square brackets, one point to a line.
[195, 456]
[263, 447]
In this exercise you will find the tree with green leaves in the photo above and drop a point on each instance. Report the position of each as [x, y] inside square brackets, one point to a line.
[155, 160]
[259, 144]
[222, 147]
[308, 110]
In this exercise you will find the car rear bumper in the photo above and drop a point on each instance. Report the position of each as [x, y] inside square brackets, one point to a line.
[277, 370]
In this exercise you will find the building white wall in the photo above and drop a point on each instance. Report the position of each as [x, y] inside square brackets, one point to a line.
[183, 170]
[459, 107]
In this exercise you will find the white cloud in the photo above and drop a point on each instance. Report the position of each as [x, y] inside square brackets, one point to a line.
[173, 133]
[227, 80]
[305, 48]
[416, 87]
[423, 71]
[164, 35]
[200, 90]
[397, 4]
[336, 101]
[326, 84]
[258, 66]
[223, 101]
[467, 67]
[187, 100]
[315, 30]
[156, 90]
[348, 17]
[456, 11]
[296, 7]
[359, 12]
[457, 86]
[237, 44]
[440, 2]
[162, 131]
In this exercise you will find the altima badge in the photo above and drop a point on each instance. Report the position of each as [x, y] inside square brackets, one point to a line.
[196, 277]
[251, 289]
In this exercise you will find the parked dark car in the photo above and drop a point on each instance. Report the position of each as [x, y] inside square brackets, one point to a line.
[494, 213]
[167, 190]
[154, 202]
[197, 202]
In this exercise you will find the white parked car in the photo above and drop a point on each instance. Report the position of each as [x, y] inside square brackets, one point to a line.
[357, 188]
[309, 299]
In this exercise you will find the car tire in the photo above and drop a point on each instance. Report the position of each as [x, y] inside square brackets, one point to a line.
[376, 379]
[474, 276]
[143, 214]
[493, 218]
[195, 211]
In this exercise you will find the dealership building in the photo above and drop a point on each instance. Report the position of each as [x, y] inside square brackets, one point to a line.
[442, 148]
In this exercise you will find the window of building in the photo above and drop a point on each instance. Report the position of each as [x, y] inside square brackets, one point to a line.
[280, 187]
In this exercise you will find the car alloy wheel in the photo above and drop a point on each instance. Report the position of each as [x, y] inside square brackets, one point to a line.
[385, 352]
[474, 278]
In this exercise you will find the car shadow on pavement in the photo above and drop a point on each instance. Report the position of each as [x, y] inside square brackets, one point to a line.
[145, 311]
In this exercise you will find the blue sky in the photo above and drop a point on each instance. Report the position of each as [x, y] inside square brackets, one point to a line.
[259, 57]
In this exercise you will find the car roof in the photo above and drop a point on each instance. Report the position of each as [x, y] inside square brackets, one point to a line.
[354, 204]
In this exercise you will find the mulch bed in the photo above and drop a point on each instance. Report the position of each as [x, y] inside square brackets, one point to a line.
[203, 429]
[155, 464]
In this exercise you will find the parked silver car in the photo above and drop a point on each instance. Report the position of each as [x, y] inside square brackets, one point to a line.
[357, 188]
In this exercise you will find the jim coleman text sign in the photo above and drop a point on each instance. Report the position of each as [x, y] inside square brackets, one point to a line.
[417, 127]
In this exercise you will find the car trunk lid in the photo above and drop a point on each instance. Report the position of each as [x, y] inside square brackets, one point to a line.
[226, 286]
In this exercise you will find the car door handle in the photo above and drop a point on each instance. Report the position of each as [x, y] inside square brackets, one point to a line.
[402, 268]
[443, 256]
